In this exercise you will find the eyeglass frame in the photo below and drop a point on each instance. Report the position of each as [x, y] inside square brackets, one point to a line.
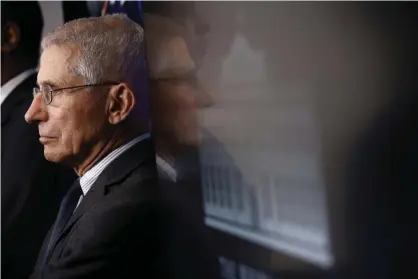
[37, 90]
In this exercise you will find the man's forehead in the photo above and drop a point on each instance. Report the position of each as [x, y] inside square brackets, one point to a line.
[55, 65]
[58, 52]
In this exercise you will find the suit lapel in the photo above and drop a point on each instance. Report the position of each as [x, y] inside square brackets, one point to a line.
[118, 170]
[22, 91]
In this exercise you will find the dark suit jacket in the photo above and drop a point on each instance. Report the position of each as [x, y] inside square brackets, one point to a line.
[187, 239]
[120, 228]
[31, 187]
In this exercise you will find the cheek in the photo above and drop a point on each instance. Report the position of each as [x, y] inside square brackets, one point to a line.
[58, 126]
[85, 127]
[72, 125]
[174, 107]
[66, 122]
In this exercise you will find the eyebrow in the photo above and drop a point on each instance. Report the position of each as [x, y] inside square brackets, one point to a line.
[49, 83]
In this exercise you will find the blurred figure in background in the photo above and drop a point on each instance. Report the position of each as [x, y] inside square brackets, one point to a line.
[173, 57]
[173, 90]
[31, 187]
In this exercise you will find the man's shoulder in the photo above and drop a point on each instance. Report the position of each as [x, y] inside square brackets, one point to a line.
[140, 186]
[139, 183]
[125, 195]
[135, 191]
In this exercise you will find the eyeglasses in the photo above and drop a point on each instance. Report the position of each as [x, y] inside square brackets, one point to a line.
[47, 91]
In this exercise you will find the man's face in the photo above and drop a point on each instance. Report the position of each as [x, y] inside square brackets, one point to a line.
[174, 114]
[76, 119]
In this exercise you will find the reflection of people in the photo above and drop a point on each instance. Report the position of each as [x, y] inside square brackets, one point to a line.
[91, 113]
[182, 25]
[173, 92]
[31, 186]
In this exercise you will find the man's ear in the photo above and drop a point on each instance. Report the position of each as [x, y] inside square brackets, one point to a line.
[121, 102]
[10, 37]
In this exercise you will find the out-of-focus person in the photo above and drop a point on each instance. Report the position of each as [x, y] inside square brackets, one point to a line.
[174, 90]
[92, 114]
[31, 187]
[175, 96]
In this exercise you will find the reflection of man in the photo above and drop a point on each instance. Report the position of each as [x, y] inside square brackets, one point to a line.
[92, 115]
[31, 186]
[173, 91]
[172, 72]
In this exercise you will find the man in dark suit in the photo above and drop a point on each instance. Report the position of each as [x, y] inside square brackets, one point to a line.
[92, 114]
[31, 187]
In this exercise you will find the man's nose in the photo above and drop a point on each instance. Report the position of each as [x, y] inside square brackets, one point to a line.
[36, 111]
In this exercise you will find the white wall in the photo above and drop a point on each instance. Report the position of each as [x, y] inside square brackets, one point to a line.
[53, 15]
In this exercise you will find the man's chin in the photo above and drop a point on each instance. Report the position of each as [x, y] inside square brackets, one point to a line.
[52, 156]
[193, 139]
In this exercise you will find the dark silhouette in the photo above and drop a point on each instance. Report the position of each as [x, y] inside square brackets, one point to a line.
[31, 187]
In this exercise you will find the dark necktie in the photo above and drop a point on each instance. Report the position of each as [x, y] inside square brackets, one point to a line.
[67, 207]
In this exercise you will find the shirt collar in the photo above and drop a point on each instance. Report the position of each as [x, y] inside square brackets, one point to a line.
[9, 86]
[167, 168]
[88, 179]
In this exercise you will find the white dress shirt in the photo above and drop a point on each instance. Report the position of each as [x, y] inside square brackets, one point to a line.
[9, 86]
[167, 168]
[88, 179]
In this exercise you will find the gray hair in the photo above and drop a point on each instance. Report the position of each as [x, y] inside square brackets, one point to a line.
[110, 47]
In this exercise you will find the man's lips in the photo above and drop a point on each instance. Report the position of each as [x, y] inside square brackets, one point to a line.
[46, 139]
